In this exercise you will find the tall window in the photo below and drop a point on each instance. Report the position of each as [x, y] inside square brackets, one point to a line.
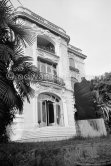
[49, 110]
[48, 68]
[71, 62]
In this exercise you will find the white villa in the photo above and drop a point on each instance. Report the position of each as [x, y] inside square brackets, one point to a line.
[50, 115]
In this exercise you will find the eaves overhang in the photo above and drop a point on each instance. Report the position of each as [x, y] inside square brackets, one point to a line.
[25, 13]
[77, 53]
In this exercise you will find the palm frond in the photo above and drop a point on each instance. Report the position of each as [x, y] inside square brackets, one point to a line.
[5, 11]
[21, 60]
[22, 32]
[18, 52]
[3, 69]
[24, 66]
[8, 94]
[25, 90]
[5, 53]
[19, 103]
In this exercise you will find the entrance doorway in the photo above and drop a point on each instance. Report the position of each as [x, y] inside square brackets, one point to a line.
[49, 110]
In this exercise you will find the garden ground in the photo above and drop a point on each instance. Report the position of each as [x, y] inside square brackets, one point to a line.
[72, 152]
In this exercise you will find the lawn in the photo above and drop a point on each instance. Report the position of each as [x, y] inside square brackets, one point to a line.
[72, 152]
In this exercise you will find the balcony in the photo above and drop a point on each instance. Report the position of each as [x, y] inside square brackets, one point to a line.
[51, 78]
[47, 56]
[48, 49]
[74, 69]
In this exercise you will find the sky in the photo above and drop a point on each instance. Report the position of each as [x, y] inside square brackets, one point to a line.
[87, 22]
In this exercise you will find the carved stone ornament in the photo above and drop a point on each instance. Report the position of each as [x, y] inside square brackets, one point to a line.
[37, 86]
[41, 31]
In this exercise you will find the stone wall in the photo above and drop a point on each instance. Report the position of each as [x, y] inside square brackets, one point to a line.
[91, 128]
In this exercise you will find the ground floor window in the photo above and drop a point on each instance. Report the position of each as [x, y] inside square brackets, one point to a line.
[49, 110]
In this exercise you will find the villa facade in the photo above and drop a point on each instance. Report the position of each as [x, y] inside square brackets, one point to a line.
[50, 115]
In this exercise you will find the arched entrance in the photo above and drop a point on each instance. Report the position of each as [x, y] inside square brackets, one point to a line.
[49, 110]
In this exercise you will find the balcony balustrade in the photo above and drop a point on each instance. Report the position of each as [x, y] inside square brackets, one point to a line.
[51, 78]
[47, 56]
[49, 49]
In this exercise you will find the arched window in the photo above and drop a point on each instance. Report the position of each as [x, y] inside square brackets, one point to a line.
[49, 110]
[45, 44]
[71, 62]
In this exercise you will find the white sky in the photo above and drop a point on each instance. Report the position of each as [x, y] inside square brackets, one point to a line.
[87, 22]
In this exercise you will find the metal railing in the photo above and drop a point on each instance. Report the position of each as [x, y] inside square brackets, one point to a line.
[51, 50]
[51, 78]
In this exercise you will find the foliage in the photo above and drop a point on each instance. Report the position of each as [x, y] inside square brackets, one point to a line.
[102, 86]
[27, 154]
[94, 97]
[14, 66]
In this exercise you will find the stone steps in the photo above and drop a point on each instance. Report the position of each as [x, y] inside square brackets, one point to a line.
[47, 134]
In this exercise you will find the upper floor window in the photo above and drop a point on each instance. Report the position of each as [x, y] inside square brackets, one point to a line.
[71, 62]
[45, 44]
[46, 67]
[73, 65]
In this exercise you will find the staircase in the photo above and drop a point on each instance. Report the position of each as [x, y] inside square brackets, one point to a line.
[49, 133]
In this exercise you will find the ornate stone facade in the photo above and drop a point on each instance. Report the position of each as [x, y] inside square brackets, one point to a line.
[53, 105]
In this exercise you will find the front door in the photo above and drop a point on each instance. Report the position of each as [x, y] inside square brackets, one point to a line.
[50, 113]
[49, 110]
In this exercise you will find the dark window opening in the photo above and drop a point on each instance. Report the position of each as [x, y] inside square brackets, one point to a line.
[45, 44]
[50, 113]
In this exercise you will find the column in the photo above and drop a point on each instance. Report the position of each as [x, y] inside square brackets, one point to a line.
[41, 110]
[39, 113]
[35, 53]
[65, 113]
[35, 111]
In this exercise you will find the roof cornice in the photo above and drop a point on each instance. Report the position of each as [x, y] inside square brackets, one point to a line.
[76, 51]
[29, 15]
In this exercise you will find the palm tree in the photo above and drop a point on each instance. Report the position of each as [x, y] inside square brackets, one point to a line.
[15, 68]
[102, 85]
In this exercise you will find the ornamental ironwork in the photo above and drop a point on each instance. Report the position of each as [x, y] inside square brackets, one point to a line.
[51, 78]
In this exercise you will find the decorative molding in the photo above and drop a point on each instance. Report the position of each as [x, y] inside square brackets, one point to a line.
[74, 48]
[76, 51]
[51, 84]
[51, 90]
[55, 39]
[47, 56]
[29, 15]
